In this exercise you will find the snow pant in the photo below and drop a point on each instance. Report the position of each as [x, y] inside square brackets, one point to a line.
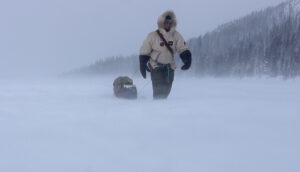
[162, 78]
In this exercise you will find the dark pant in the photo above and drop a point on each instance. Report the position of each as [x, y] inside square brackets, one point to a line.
[162, 78]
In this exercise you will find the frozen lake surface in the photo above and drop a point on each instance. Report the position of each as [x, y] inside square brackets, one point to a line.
[209, 125]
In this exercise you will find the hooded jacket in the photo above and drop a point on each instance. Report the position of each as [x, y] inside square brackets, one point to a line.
[154, 47]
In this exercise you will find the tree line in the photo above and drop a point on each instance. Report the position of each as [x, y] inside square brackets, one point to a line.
[266, 42]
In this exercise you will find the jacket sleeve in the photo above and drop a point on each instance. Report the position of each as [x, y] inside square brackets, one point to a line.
[181, 45]
[146, 48]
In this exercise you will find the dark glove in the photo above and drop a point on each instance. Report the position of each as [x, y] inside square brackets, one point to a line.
[186, 58]
[143, 65]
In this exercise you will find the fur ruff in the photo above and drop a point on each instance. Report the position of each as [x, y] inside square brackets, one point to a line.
[161, 19]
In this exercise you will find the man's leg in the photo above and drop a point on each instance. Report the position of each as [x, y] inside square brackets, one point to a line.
[161, 83]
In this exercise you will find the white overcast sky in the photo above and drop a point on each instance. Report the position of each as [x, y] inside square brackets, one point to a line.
[52, 36]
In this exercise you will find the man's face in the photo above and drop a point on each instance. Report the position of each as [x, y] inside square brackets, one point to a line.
[167, 26]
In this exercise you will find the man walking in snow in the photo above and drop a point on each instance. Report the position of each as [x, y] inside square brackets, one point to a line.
[157, 55]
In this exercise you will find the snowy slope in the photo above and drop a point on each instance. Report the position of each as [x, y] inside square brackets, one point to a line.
[292, 6]
[212, 125]
[263, 43]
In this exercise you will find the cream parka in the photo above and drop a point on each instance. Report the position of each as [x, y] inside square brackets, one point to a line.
[153, 45]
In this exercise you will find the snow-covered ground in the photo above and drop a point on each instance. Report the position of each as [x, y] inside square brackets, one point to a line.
[209, 125]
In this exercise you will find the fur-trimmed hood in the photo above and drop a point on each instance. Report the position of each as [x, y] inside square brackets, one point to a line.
[161, 19]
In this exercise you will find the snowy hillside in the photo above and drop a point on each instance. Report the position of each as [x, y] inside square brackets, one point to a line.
[216, 125]
[263, 43]
[291, 6]
[266, 43]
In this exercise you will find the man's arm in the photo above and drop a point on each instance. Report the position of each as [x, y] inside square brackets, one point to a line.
[144, 57]
[184, 52]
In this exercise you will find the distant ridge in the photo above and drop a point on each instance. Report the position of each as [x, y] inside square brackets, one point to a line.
[265, 42]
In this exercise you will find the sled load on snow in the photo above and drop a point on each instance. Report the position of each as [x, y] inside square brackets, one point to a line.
[124, 88]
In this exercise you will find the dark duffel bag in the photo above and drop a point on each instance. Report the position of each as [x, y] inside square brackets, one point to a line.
[124, 88]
